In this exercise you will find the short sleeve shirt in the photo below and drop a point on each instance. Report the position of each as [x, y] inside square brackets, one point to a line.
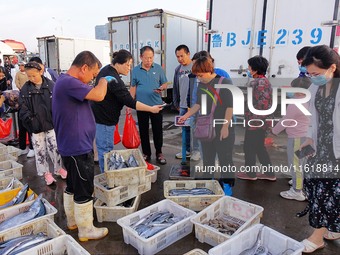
[146, 82]
[73, 119]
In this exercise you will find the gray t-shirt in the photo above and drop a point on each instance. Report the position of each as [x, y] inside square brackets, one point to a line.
[184, 72]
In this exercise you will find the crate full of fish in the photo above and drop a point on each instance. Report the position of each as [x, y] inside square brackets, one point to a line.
[124, 167]
[120, 194]
[10, 168]
[42, 230]
[224, 219]
[16, 196]
[113, 213]
[193, 194]
[259, 239]
[64, 244]
[154, 228]
[196, 252]
[14, 216]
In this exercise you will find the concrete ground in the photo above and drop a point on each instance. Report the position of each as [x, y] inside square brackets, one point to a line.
[279, 214]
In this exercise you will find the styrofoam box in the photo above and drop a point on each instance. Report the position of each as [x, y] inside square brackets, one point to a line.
[276, 242]
[165, 237]
[247, 212]
[155, 170]
[6, 156]
[60, 245]
[112, 214]
[196, 252]
[125, 176]
[45, 225]
[15, 210]
[10, 168]
[195, 203]
[120, 194]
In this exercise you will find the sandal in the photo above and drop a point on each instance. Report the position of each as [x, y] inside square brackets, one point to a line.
[146, 158]
[331, 235]
[310, 246]
[160, 159]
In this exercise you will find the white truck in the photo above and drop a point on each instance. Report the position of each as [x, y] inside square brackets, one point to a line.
[275, 29]
[59, 52]
[163, 31]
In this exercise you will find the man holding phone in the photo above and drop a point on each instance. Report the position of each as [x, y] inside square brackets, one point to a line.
[148, 81]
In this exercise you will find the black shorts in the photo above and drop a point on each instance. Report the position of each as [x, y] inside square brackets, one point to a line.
[80, 175]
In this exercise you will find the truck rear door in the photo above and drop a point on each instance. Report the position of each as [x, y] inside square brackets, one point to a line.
[277, 29]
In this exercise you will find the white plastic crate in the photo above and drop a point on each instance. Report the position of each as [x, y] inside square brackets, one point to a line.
[112, 214]
[195, 203]
[155, 170]
[165, 237]
[15, 210]
[6, 156]
[196, 252]
[229, 206]
[120, 194]
[13, 151]
[275, 242]
[64, 244]
[10, 168]
[125, 176]
[45, 225]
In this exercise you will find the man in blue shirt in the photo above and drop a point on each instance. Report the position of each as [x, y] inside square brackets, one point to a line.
[148, 81]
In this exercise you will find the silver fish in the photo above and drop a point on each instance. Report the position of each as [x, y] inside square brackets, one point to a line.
[30, 243]
[132, 162]
[30, 198]
[19, 198]
[37, 209]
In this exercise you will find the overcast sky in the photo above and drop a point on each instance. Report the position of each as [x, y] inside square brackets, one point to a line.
[24, 20]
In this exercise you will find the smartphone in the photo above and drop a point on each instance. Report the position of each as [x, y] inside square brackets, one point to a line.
[305, 151]
[184, 124]
[165, 104]
[157, 90]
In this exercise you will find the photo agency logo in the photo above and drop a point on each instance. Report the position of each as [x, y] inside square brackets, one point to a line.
[239, 99]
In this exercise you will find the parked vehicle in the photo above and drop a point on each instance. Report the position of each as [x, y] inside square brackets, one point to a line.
[59, 52]
[277, 30]
[160, 29]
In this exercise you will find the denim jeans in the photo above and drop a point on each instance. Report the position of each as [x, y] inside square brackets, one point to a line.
[104, 142]
[183, 111]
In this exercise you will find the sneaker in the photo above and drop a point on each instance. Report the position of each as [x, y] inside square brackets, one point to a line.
[228, 191]
[266, 177]
[244, 176]
[49, 179]
[62, 173]
[195, 156]
[290, 182]
[23, 152]
[179, 155]
[160, 159]
[293, 195]
[30, 154]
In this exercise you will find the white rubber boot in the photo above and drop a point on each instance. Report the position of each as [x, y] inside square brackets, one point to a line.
[69, 211]
[84, 219]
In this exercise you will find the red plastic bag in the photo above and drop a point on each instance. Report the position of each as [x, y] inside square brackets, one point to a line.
[5, 127]
[131, 139]
[116, 137]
